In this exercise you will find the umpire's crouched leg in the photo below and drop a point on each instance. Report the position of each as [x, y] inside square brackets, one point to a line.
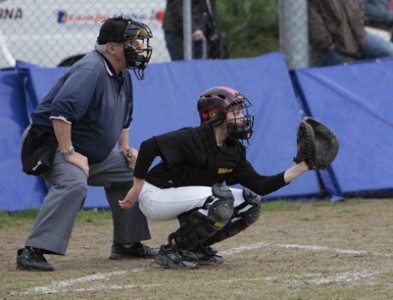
[55, 221]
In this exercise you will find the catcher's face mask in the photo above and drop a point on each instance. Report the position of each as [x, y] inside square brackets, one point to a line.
[137, 50]
[239, 124]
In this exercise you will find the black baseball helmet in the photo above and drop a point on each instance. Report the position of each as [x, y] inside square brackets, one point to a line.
[214, 104]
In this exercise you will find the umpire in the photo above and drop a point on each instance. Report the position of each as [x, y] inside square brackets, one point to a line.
[87, 112]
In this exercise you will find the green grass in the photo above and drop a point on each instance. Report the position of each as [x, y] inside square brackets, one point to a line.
[86, 216]
[94, 216]
[281, 205]
[7, 219]
[100, 216]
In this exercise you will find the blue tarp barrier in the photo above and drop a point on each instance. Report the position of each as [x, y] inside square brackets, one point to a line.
[18, 191]
[355, 100]
[167, 100]
[37, 82]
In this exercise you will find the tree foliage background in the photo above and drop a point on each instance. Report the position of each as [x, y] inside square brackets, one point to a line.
[251, 27]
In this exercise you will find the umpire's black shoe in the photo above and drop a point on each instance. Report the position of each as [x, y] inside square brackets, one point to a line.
[138, 250]
[208, 256]
[173, 258]
[30, 258]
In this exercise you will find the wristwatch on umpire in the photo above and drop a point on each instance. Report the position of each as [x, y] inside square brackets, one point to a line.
[70, 150]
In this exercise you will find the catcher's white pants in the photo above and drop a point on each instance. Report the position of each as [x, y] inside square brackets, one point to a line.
[166, 204]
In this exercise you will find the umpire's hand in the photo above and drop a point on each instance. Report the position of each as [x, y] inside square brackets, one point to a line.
[78, 160]
[130, 154]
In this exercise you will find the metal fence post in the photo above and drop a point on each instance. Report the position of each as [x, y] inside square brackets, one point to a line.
[187, 31]
[294, 32]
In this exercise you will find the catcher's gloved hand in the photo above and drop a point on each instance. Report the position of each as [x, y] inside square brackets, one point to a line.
[317, 144]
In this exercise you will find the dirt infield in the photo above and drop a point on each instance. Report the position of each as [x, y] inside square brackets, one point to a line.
[314, 250]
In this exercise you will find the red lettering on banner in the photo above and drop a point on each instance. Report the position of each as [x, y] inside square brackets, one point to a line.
[79, 18]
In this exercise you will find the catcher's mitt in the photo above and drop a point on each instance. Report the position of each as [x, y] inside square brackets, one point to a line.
[317, 144]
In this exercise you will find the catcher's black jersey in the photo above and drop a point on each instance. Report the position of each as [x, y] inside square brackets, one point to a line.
[190, 157]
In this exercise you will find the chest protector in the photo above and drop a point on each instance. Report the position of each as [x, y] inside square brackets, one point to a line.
[192, 157]
[221, 160]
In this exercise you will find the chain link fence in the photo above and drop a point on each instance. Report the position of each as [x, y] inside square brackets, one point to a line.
[58, 32]
[294, 32]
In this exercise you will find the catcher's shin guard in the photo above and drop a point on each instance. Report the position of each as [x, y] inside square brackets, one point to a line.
[240, 220]
[221, 209]
[195, 227]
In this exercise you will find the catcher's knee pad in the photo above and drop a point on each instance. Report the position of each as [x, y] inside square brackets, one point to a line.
[251, 215]
[237, 224]
[195, 227]
[250, 197]
[221, 208]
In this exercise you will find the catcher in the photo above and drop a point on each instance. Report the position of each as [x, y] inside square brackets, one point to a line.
[195, 162]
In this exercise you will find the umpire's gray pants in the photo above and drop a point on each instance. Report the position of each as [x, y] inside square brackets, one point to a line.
[56, 218]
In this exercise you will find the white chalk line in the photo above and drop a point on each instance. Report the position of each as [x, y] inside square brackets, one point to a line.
[311, 279]
[344, 277]
[305, 247]
[315, 279]
[61, 286]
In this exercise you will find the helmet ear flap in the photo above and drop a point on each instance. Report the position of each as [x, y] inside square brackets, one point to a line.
[215, 117]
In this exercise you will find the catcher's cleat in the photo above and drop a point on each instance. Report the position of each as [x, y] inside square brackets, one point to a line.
[138, 250]
[32, 259]
[173, 258]
[207, 256]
